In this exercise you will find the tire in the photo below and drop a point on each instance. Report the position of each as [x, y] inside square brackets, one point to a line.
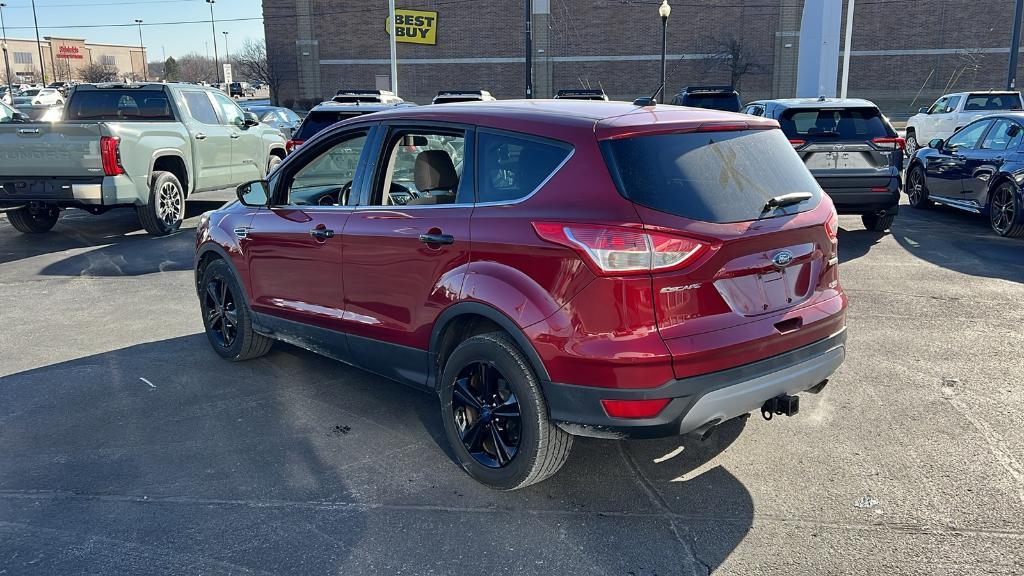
[917, 189]
[272, 163]
[26, 221]
[911, 144]
[534, 448]
[226, 318]
[165, 211]
[878, 223]
[1005, 213]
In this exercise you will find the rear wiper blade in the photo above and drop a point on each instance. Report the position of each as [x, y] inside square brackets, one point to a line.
[786, 200]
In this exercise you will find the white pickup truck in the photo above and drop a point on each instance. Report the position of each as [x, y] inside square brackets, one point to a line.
[954, 111]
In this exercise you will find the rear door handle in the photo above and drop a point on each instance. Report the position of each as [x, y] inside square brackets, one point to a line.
[200, 136]
[321, 233]
[437, 238]
[235, 136]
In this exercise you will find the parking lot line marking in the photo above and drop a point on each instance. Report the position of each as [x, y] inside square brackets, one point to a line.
[151, 385]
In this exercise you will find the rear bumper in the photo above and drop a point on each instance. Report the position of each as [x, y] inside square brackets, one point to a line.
[65, 191]
[854, 195]
[698, 400]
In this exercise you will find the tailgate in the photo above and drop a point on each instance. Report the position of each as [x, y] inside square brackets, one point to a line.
[848, 164]
[44, 149]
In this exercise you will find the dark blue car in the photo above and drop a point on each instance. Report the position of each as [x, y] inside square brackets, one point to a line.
[977, 170]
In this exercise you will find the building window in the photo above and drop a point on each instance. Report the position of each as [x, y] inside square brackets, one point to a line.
[22, 57]
[108, 60]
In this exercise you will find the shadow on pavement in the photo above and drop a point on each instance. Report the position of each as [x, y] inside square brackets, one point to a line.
[162, 457]
[856, 243]
[114, 244]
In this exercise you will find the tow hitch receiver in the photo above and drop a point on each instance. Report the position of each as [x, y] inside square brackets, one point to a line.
[781, 404]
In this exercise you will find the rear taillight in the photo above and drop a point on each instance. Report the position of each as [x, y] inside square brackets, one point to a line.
[635, 408]
[832, 226]
[291, 145]
[796, 142]
[889, 143]
[110, 155]
[614, 250]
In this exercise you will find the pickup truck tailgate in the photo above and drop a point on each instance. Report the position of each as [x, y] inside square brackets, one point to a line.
[44, 149]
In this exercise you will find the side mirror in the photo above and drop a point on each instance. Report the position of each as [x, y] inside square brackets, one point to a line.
[255, 194]
[936, 144]
[250, 119]
[922, 110]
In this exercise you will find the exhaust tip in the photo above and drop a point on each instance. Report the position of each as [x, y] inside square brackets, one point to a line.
[705, 430]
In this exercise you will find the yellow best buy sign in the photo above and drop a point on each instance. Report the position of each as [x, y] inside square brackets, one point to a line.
[414, 26]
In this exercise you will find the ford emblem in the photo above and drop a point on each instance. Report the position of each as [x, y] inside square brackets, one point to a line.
[782, 259]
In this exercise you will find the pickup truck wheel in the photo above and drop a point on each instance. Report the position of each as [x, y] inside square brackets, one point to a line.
[911, 145]
[34, 222]
[166, 209]
[1004, 212]
[495, 416]
[227, 319]
[917, 191]
[878, 223]
[272, 163]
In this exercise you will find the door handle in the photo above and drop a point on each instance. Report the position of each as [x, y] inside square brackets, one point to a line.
[200, 136]
[321, 233]
[235, 136]
[437, 238]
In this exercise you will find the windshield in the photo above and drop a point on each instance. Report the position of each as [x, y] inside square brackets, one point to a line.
[977, 102]
[712, 176]
[316, 121]
[859, 124]
[113, 104]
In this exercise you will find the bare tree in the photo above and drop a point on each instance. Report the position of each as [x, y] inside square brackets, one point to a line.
[731, 55]
[254, 66]
[95, 72]
[196, 68]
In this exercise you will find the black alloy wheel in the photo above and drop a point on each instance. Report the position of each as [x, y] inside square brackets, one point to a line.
[221, 309]
[486, 414]
[917, 192]
[1004, 212]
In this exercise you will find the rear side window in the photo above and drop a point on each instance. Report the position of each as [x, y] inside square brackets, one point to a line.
[119, 105]
[725, 102]
[316, 121]
[200, 108]
[835, 123]
[715, 177]
[977, 102]
[510, 167]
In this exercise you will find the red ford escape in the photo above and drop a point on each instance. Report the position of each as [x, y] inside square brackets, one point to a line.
[547, 268]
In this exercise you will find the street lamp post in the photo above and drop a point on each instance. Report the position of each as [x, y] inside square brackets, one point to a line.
[7, 63]
[664, 10]
[39, 45]
[145, 71]
[216, 59]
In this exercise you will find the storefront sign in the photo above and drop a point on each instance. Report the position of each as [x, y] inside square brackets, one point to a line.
[69, 52]
[414, 26]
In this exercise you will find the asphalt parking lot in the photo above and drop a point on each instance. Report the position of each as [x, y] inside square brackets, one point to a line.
[127, 446]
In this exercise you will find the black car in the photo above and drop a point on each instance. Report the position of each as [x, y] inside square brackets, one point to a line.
[236, 89]
[851, 149]
[977, 169]
[723, 98]
[328, 113]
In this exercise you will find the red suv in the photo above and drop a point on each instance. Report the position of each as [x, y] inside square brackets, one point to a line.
[548, 268]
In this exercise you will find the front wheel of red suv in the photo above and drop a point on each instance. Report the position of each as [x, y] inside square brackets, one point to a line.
[226, 318]
[495, 416]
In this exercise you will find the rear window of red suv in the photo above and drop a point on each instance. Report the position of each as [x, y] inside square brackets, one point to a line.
[714, 177]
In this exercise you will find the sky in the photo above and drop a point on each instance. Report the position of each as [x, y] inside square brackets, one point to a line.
[56, 18]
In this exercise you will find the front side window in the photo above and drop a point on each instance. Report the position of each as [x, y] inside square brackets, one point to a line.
[954, 101]
[423, 167]
[327, 179]
[230, 113]
[969, 136]
[939, 107]
[200, 108]
[511, 167]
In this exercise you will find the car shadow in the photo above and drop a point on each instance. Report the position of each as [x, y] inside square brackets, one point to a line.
[109, 244]
[959, 241]
[293, 459]
[854, 243]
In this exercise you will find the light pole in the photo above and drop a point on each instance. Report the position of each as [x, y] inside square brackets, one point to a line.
[7, 63]
[393, 45]
[216, 59]
[664, 10]
[1011, 72]
[145, 71]
[39, 45]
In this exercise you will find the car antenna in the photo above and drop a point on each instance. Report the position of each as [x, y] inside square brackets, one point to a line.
[652, 101]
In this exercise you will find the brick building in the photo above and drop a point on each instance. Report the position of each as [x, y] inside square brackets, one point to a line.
[905, 52]
[63, 57]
